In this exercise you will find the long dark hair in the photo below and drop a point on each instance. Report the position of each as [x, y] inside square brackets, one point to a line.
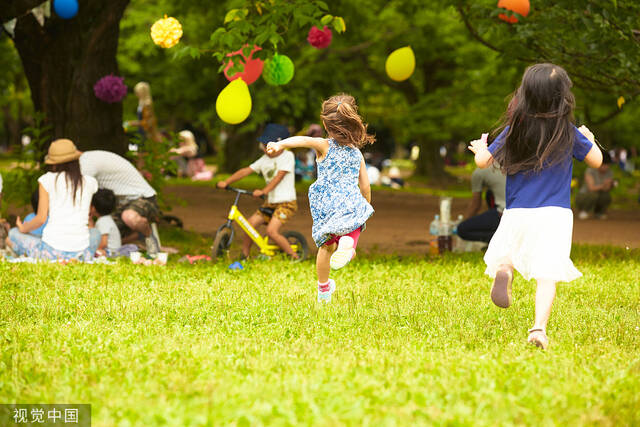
[539, 120]
[342, 121]
[73, 176]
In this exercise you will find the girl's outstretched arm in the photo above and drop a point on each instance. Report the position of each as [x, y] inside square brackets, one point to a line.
[483, 157]
[320, 145]
[363, 181]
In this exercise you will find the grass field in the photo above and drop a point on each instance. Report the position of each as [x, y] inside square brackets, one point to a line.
[405, 341]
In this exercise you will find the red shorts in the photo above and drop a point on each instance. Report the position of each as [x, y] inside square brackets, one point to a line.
[355, 235]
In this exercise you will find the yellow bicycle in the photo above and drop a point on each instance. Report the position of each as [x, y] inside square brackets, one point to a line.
[224, 235]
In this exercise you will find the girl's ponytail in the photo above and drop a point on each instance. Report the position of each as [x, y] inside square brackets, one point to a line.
[342, 121]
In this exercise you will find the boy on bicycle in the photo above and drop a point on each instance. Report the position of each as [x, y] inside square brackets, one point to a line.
[278, 172]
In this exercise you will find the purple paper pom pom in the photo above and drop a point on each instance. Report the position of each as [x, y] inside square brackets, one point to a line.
[110, 89]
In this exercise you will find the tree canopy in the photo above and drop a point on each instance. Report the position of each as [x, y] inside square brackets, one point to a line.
[468, 61]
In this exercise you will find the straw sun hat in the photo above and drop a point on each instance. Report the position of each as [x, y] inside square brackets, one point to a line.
[62, 151]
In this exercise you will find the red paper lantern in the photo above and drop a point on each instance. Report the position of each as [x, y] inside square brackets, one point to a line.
[520, 7]
[319, 38]
[252, 67]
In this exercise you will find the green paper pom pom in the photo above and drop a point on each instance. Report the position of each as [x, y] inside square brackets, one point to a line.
[278, 70]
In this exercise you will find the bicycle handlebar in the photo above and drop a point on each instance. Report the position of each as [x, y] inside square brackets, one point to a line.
[241, 191]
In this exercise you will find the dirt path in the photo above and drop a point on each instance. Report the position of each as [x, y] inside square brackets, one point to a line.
[400, 224]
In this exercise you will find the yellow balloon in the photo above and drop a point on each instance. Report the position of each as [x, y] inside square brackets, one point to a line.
[234, 102]
[400, 64]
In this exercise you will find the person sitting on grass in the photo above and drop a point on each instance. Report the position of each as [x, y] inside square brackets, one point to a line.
[102, 204]
[594, 197]
[136, 203]
[65, 196]
[278, 171]
[481, 226]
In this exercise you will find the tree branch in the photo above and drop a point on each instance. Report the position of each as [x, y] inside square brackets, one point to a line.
[16, 8]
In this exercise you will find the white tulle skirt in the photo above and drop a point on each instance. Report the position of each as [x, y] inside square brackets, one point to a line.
[536, 242]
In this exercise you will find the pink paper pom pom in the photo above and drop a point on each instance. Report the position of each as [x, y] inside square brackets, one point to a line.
[319, 38]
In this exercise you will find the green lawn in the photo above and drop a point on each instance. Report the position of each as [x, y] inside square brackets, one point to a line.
[405, 341]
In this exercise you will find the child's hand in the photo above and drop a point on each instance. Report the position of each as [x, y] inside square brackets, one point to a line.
[479, 144]
[273, 148]
[587, 133]
[222, 184]
[258, 193]
[19, 225]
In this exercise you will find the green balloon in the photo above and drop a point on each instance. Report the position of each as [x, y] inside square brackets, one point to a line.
[278, 70]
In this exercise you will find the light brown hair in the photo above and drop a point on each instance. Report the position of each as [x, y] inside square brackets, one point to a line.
[343, 123]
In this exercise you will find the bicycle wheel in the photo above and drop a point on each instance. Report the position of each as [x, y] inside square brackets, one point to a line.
[295, 238]
[222, 241]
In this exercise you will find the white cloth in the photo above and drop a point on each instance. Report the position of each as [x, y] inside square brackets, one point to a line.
[106, 225]
[536, 241]
[115, 173]
[269, 167]
[67, 228]
[374, 174]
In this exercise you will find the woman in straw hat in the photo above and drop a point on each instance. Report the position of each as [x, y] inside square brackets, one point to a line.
[65, 198]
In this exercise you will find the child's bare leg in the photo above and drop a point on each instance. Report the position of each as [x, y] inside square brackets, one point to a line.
[273, 231]
[545, 294]
[255, 220]
[322, 262]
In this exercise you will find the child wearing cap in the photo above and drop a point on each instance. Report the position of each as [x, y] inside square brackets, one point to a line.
[278, 172]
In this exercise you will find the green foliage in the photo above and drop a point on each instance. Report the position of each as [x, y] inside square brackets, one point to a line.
[153, 159]
[596, 40]
[22, 180]
[405, 341]
[267, 24]
[457, 91]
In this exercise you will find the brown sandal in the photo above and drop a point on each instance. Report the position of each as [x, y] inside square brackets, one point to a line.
[501, 290]
[538, 337]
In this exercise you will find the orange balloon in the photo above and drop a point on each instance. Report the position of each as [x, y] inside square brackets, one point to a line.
[521, 7]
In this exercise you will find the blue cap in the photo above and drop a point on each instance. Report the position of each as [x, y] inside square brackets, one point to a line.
[273, 132]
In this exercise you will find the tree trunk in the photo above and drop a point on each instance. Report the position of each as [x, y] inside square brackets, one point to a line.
[63, 60]
[430, 163]
[239, 148]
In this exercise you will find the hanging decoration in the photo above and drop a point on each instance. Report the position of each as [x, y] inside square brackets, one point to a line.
[66, 9]
[110, 89]
[318, 38]
[166, 32]
[400, 64]
[520, 7]
[234, 102]
[252, 66]
[10, 27]
[278, 70]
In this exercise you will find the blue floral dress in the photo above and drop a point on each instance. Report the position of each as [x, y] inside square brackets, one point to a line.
[337, 206]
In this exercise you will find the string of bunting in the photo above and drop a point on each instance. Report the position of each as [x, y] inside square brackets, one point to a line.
[39, 12]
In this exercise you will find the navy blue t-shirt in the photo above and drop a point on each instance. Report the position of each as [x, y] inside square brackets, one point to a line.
[550, 186]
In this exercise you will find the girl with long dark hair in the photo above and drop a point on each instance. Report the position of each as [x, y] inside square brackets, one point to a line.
[535, 149]
[64, 197]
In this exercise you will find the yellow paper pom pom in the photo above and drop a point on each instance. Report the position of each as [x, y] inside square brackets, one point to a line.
[166, 32]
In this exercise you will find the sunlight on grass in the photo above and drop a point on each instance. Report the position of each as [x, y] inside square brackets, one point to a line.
[405, 340]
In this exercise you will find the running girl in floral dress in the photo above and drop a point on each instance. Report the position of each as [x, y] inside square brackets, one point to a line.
[341, 196]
